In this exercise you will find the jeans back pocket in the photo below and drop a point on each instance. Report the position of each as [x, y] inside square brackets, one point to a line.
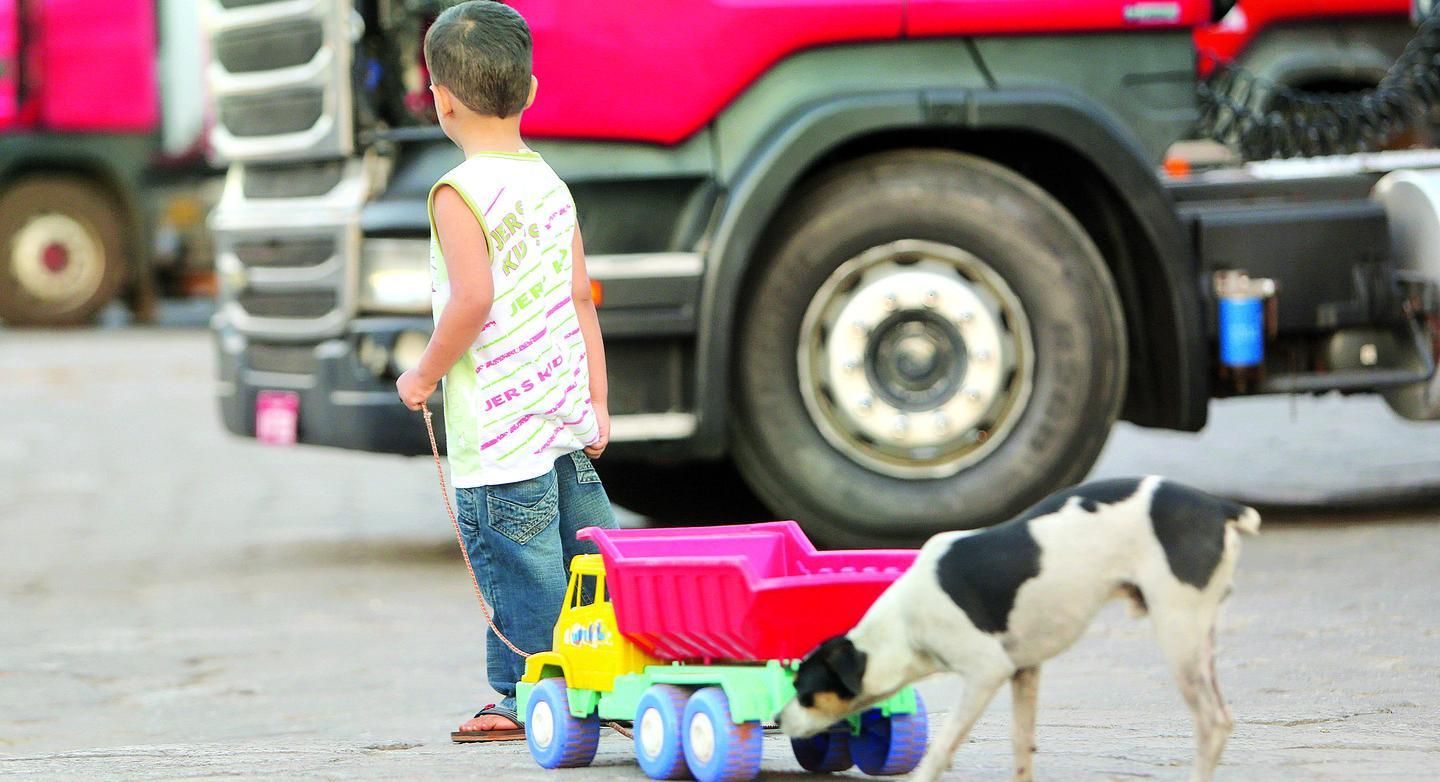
[584, 468]
[523, 509]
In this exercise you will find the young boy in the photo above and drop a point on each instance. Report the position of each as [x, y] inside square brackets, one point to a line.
[517, 342]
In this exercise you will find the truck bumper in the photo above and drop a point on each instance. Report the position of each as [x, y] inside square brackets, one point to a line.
[346, 387]
[343, 403]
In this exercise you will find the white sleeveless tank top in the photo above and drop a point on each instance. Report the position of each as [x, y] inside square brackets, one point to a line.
[519, 397]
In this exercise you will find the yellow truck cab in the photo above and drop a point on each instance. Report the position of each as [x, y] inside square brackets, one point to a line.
[588, 649]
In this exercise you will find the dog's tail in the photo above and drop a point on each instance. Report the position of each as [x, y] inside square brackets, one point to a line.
[1248, 521]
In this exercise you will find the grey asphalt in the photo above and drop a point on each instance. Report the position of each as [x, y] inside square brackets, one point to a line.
[179, 604]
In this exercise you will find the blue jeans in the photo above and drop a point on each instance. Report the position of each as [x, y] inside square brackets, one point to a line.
[521, 538]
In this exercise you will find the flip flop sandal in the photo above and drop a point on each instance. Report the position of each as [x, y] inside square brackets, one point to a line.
[509, 734]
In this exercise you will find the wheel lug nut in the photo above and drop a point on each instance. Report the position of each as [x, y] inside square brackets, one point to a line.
[972, 394]
[901, 424]
[852, 365]
[941, 422]
[932, 298]
[982, 356]
[861, 327]
[891, 302]
[967, 316]
[864, 403]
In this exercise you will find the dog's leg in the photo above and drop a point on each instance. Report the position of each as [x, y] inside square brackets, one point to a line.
[1024, 691]
[979, 690]
[1187, 633]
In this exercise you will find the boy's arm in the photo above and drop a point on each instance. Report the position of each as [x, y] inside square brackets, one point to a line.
[467, 261]
[594, 347]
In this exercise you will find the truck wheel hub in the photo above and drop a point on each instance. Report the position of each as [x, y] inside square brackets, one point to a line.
[915, 359]
[56, 259]
[652, 732]
[702, 738]
[542, 724]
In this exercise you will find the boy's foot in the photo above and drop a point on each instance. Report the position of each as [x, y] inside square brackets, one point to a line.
[492, 723]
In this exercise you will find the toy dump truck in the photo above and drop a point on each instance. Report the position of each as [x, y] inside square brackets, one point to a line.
[694, 633]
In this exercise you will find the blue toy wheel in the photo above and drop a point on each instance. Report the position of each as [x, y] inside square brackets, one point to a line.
[825, 752]
[891, 745]
[658, 739]
[716, 749]
[556, 738]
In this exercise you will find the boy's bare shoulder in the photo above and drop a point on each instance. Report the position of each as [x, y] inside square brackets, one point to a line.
[455, 216]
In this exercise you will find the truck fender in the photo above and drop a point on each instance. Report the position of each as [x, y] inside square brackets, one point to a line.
[544, 665]
[761, 185]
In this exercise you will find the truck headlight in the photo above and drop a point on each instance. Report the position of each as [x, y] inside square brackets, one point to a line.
[395, 276]
[409, 347]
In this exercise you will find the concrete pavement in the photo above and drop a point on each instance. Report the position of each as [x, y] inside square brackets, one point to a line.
[176, 603]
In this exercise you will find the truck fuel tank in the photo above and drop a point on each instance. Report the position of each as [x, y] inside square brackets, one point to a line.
[1411, 198]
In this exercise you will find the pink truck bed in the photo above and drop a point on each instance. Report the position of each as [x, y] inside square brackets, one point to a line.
[746, 592]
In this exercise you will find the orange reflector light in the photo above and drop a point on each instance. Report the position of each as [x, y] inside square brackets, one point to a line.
[1177, 166]
[597, 292]
[198, 284]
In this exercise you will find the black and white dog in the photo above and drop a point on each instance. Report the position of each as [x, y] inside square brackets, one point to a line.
[994, 604]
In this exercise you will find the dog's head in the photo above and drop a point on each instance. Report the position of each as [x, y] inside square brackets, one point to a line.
[828, 688]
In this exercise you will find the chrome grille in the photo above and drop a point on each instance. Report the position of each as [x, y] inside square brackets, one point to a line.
[287, 264]
[278, 45]
[280, 75]
[286, 254]
[280, 112]
[290, 359]
[288, 304]
[293, 181]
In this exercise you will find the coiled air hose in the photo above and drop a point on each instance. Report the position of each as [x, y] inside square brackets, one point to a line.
[1260, 119]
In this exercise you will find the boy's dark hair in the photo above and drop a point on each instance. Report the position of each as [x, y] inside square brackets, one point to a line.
[480, 50]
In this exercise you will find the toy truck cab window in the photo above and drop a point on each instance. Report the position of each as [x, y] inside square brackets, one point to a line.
[583, 590]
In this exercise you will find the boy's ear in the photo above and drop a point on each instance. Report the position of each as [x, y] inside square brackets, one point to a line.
[444, 101]
[534, 87]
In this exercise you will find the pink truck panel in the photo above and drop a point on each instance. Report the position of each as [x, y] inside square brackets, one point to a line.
[746, 592]
[97, 63]
[700, 54]
[697, 56]
[926, 18]
[9, 62]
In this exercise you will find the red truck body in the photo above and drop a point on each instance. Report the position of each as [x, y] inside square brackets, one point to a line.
[701, 55]
[86, 65]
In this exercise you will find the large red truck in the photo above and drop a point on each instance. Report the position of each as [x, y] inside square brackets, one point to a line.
[903, 263]
[85, 145]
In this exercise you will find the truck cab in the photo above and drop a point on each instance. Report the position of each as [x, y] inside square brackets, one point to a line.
[587, 648]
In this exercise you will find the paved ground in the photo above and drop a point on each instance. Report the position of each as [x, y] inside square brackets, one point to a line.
[175, 603]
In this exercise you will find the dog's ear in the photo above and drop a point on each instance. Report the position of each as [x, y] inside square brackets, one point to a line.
[846, 662]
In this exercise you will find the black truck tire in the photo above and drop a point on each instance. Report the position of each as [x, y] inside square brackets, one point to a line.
[62, 251]
[994, 262]
[686, 493]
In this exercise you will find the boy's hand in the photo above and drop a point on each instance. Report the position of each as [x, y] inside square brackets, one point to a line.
[602, 418]
[414, 389]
